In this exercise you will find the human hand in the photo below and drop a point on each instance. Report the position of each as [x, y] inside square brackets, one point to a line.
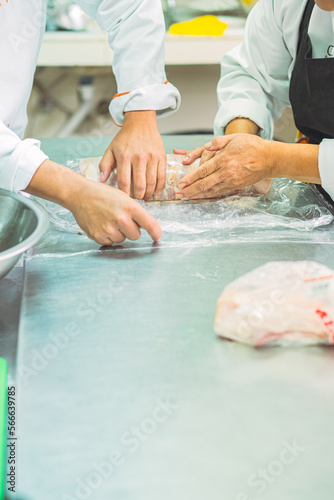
[107, 215]
[240, 160]
[193, 155]
[138, 153]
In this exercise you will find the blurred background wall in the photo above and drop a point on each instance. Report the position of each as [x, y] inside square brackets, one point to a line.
[74, 82]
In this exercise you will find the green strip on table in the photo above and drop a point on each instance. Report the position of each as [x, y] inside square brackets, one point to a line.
[3, 406]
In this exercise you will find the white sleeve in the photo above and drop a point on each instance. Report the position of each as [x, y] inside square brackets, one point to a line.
[19, 160]
[326, 165]
[136, 31]
[255, 75]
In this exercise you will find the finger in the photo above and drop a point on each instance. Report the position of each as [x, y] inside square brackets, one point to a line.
[147, 222]
[217, 191]
[151, 178]
[116, 235]
[162, 167]
[206, 156]
[207, 169]
[101, 240]
[193, 155]
[219, 142]
[130, 229]
[180, 151]
[107, 243]
[107, 164]
[220, 190]
[199, 187]
[124, 175]
[139, 177]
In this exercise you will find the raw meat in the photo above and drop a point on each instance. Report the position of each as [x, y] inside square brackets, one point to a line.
[279, 303]
[89, 168]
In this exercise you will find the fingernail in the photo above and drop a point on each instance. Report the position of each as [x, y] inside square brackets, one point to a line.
[179, 196]
[208, 145]
[182, 183]
[186, 158]
[101, 176]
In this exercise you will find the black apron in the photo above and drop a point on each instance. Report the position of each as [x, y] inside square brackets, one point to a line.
[312, 89]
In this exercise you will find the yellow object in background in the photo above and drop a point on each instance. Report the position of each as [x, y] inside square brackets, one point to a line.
[248, 4]
[301, 138]
[200, 26]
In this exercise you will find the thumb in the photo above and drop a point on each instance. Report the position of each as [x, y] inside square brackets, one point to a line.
[219, 142]
[107, 164]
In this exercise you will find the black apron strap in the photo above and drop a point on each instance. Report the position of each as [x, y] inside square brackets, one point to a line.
[312, 89]
[305, 22]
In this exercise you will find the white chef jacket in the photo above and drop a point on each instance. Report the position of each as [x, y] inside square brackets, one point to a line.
[136, 32]
[255, 76]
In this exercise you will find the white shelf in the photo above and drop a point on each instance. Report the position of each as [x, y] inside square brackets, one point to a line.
[91, 48]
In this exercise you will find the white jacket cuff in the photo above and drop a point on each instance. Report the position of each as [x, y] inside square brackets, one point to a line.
[163, 98]
[244, 108]
[326, 165]
[27, 157]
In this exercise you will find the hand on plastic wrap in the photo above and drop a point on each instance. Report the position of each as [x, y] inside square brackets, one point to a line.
[198, 153]
[109, 216]
[177, 168]
[228, 164]
[138, 153]
[89, 168]
[105, 214]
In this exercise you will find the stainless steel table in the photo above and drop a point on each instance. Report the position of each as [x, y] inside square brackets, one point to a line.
[126, 393]
[10, 303]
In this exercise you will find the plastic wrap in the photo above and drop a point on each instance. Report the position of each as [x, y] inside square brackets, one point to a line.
[288, 211]
[279, 303]
[89, 168]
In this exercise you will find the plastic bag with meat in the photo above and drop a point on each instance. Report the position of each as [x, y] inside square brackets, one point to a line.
[89, 168]
[279, 303]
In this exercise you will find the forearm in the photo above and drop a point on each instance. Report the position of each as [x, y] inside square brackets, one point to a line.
[298, 162]
[140, 117]
[242, 126]
[56, 183]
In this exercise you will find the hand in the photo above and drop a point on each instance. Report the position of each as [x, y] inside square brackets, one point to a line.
[138, 153]
[193, 155]
[240, 160]
[237, 125]
[106, 214]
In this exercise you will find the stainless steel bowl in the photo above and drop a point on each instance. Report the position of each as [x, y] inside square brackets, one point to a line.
[22, 224]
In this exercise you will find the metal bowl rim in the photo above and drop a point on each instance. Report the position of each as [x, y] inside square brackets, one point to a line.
[40, 230]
